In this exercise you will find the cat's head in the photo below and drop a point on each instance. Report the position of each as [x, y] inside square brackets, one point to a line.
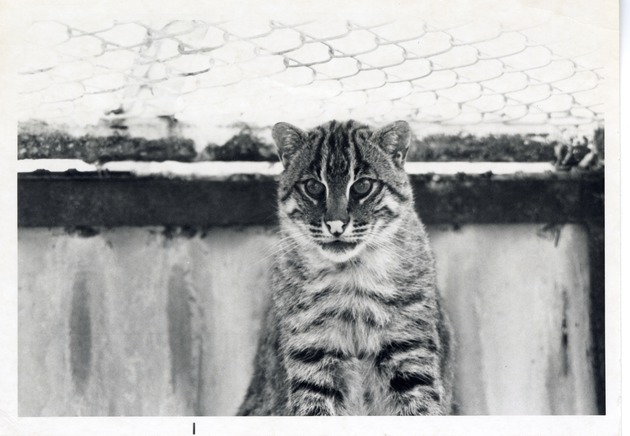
[343, 188]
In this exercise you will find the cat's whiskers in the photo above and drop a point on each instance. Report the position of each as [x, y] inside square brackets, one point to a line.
[387, 247]
[388, 250]
[286, 243]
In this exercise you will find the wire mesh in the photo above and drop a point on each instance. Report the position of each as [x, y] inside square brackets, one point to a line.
[470, 76]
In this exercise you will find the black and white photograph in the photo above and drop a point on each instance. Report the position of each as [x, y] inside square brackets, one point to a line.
[397, 210]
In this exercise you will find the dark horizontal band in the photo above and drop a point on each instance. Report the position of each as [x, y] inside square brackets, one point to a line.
[121, 199]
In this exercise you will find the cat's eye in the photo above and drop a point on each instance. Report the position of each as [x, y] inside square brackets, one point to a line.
[362, 187]
[314, 188]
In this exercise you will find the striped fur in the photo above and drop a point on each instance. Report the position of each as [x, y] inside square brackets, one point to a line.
[355, 325]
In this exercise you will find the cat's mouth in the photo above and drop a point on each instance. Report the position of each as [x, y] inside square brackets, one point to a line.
[339, 246]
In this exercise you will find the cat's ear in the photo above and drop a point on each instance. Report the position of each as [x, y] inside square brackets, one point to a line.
[394, 140]
[289, 139]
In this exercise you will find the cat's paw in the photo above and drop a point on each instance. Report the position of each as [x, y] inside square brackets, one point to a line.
[418, 407]
[312, 410]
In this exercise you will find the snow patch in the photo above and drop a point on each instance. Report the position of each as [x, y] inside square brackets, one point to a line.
[225, 169]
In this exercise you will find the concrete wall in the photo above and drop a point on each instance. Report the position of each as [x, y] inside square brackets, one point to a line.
[133, 321]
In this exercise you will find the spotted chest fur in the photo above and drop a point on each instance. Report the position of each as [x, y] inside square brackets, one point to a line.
[355, 325]
[343, 310]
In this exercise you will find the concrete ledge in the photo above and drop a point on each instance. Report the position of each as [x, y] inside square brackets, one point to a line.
[244, 197]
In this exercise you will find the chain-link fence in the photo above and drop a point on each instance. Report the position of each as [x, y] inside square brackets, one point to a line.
[477, 76]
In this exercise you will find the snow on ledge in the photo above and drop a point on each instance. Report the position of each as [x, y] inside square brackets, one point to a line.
[450, 168]
[225, 169]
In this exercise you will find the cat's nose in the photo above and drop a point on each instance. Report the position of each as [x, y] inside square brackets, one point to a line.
[336, 227]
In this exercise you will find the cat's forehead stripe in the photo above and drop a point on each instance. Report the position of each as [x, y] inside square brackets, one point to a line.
[338, 150]
[317, 141]
[339, 158]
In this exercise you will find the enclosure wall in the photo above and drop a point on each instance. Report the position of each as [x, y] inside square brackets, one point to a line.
[143, 319]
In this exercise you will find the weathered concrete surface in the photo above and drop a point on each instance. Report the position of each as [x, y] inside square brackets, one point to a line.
[133, 321]
[518, 297]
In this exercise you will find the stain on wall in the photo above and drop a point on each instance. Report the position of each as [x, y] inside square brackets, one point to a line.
[179, 330]
[80, 332]
[184, 340]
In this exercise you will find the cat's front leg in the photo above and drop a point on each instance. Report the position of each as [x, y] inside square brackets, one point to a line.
[410, 369]
[316, 387]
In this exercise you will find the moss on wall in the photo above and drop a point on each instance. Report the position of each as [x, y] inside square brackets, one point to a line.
[40, 141]
[242, 146]
[490, 148]
[60, 145]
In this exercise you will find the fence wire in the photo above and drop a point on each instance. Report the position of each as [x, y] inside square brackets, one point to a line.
[219, 73]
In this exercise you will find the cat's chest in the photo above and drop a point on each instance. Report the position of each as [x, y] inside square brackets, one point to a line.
[351, 303]
[350, 309]
[374, 276]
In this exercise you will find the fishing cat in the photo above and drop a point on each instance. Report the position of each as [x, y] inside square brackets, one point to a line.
[355, 325]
